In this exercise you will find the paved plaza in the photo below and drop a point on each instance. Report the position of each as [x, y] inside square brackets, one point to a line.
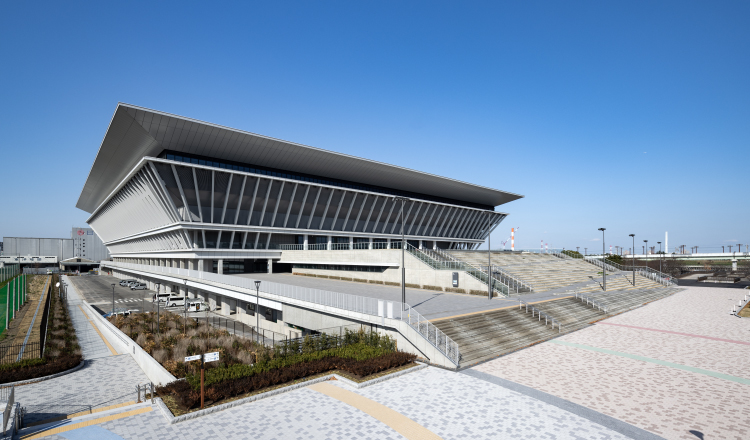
[677, 368]
[677, 365]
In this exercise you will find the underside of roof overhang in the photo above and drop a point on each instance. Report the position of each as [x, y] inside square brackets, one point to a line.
[135, 132]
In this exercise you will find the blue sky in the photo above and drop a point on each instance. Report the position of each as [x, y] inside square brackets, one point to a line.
[634, 116]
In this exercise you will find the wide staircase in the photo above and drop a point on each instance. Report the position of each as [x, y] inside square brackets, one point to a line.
[545, 272]
[486, 335]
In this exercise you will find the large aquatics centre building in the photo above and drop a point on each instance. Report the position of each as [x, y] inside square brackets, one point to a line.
[169, 192]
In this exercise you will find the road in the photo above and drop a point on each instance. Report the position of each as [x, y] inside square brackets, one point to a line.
[97, 291]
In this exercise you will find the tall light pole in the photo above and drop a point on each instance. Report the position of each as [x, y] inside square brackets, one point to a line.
[113, 299]
[646, 253]
[659, 256]
[185, 307]
[158, 300]
[257, 306]
[632, 257]
[489, 258]
[604, 266]
[403, 247]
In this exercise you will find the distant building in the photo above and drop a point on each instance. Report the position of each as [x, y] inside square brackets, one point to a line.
[45, 252]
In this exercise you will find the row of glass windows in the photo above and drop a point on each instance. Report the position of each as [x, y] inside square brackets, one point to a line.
[200, 160]
[340, 267]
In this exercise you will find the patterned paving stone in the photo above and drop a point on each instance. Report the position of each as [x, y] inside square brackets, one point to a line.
[660, 399]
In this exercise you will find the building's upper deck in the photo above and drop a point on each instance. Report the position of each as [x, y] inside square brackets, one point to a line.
[136, 132]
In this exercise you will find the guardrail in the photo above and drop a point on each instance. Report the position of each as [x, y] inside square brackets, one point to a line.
[344, 301]
[547, 318]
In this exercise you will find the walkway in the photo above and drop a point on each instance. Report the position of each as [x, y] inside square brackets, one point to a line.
[428, 404]
[677, 367]
[106, 379]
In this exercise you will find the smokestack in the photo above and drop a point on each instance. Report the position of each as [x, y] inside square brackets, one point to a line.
[666, 242]
[512, 239]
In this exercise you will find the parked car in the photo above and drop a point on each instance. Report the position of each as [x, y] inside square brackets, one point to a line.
[126, 282]
[118, 311]
[139, 286]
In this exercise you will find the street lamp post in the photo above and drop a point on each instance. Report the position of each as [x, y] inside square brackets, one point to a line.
[403, 247]
[659, 256]
[646, 253]
[489, 259]
[158, 290]
[604, 266]
[257, 306]
[632, 257]
[113, 299]
[184, 313]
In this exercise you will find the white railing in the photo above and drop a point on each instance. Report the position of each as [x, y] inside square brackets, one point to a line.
[510, 280]
[590, 301]
[433, 334]
[547, 318]
[344, 301]
[652, 274]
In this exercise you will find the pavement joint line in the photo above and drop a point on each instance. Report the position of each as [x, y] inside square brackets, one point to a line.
[728, 377]
[114, 352]
[391, 418]
[677, 333]
[87, 423]
[495, 310]
[82, 413]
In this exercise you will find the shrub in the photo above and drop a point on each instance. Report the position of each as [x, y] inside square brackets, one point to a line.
[454, 290]
[413, 286]
[391, 283]
[478, 292]
[187, 393]
[428, 287]
[375, 282]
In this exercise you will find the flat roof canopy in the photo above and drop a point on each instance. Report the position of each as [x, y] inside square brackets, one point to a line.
[135, 132]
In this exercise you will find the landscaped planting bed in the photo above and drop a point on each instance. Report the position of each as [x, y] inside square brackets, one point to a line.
[245, 366]
[62, 351]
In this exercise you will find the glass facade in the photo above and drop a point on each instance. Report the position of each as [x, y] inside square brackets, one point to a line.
[248, 168]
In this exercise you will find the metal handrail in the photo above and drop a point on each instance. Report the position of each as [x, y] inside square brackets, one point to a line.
[590, 301]
[519, 284]
[547, 318]
[513, 285]
[480, 275]
[645, 271]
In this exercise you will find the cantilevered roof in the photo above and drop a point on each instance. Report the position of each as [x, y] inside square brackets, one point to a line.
[135, 132]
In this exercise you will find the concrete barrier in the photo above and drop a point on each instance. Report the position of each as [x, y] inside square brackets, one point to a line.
[123, 344]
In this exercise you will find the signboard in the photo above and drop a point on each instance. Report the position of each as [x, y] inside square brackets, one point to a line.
[211, 357]
[192, 358]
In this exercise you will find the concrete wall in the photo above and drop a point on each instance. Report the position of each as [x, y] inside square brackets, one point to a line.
[123, 344]
[416, 271]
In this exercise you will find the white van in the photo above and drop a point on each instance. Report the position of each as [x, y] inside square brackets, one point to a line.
[197, 305]
[161, 297]
[174, 301]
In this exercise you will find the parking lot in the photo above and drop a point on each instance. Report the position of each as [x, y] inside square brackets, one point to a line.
[97, 291]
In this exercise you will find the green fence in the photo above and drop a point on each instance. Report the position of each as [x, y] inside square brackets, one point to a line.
[12, 297]
[8, 271]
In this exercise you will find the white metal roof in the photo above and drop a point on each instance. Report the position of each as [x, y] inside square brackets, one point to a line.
[135, 132]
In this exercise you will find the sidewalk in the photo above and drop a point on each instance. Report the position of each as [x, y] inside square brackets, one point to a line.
[105, 380]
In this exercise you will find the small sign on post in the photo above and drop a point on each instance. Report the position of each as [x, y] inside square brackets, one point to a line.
[206, 357]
